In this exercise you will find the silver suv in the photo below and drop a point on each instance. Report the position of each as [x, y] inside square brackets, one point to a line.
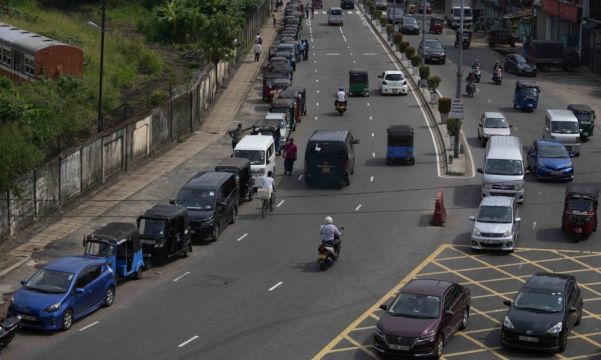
[335, 16]
[497, 225]
[492, 123]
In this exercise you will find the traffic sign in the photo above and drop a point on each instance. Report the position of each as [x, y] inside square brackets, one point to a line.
[456, 109]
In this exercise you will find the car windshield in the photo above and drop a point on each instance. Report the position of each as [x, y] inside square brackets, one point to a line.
[556, 152]
[504, 167]
[335, 12]
[409, 21]
[564, 127]
[496, 123]
[151, 227]
[50, 281]
[434, 45]
[539, 300]
[394, 77]
[97, 248]
[466, 12]
[416, 306]
[256, 157]
[584, 117]
[580, 205]
[520, 59]
[494, 214]
[528, 91]
[195, 199]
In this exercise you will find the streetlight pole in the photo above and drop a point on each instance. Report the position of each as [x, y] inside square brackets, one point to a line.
[424, 32]
[99, 124]
[460, 60]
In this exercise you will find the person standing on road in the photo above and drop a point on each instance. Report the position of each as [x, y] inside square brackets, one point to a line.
[289, 155]
[275, 21]
[301, 50]
[307, 10]
[306, 49]
[236, 135]
[312, 12]
[257, 51]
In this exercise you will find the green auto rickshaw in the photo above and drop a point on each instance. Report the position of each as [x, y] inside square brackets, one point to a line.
[358, 82]
[286, 106]
[586, 119]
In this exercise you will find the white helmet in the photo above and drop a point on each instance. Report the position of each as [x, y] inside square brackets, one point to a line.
[328, 220]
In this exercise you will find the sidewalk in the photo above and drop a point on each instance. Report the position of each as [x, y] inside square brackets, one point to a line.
[214, 127]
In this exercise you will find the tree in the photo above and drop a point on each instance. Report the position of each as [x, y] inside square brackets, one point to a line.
[219, 36]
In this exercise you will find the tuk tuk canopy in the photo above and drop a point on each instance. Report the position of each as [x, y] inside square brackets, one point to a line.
[282, 103]
[358, 75]
[400, 135]
[583, 190]
[114, 232]
[527, 86]
[232, 163]
[580, 109]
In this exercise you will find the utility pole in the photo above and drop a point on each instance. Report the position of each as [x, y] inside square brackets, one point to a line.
[424, 32]
[99, 123]
[460, 60]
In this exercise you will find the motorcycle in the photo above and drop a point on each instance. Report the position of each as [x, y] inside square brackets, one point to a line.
[341, 107]
[8, 329]
[328, 254]
[470, 89]
[497, 76]
[477, 74]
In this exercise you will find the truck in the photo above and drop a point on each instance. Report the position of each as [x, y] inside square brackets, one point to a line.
[546, 54]
[452, 9]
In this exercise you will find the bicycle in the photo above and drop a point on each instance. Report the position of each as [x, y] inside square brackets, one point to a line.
[267, 198]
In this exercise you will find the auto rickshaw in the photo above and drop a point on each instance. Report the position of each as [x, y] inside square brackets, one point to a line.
[525, 95]
[278, 86]
[119, 244]
[466, 38]
[400, 145]
[296, 95]
[358, 82]
[302, 93]
[165, 232]
[586, 119]
[270, 127]
[287, 106]
[316, 4]
[268, 79]
[436, 25]
[580, 210]
[240, 167]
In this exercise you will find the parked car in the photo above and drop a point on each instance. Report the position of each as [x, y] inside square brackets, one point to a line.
[496, 225]
[517, 64]
[433, 52]
[422, 318]
[550, 160]
[428, 7]
[64, 291]
[392, 82]
[492, 123]
[347, 4]
[409, 25]
[381, 4]
[543, 313]
[335, 16]
[395, 15]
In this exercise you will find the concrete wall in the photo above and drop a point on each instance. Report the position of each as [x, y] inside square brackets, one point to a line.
[47, 188]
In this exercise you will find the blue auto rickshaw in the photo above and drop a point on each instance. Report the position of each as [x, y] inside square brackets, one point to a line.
[525, 95]
[400, 145]
[119, 243]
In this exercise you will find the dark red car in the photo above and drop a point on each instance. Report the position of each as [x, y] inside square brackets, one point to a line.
[422, 318]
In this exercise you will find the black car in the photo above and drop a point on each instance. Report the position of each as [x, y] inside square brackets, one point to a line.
[347, 4]
[433, 52]
[517, 64]
[543, 312]
[409, 25]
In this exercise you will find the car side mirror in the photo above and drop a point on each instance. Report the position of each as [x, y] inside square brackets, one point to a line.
[23, 282]
[518, 219]
[480, 125]
[472, 217]
[449, 313]
[479, 170]
[507, 302]
[384, 307]
[572, 309]
[268, 161]
[79, 291]
[510, 126]
[172, 202]
[355, 141]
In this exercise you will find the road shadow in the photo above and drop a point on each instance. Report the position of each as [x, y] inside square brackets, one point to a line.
[462, 239]
[474, 142]
[552, 235]
[468, 196]
[424, 220]
[379, 162]
[307, 267]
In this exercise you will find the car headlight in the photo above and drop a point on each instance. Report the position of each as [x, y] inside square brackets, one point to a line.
[507, 323]
[487, 186]
[555, 329]
[476, 231]
[429, 337]
[53, 308]
[379, 333]
[507, 233]
[541, 164]
[519, 187]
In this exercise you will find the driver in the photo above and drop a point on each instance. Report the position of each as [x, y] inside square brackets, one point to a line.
[340, 96]
[497, 65]
[476, 64]
[330, 235]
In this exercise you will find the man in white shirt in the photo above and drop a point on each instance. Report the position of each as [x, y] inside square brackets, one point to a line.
[269, 184]
[340, 97]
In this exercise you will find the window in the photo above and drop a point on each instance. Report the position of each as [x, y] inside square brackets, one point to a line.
[5, 56]
[29, 65]
[451, 298]
[84, 279]
[95, 272]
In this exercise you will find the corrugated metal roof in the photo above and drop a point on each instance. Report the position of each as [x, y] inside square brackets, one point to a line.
[24, 39]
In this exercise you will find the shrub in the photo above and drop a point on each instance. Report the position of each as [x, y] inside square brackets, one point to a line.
[410, 51]
[371, 8]
[454, 126]
[444, 105]
[397, 38]
[389, 29]
[424, 71]
[157, 97]
[383, 19]
[404, 46]
[434, 82]
[416, 59]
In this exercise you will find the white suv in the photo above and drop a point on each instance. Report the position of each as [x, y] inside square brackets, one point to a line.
[392, 82]
[492, 123]
[497, 225]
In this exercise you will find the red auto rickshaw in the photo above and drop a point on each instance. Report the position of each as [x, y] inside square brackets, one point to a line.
[436, 24]
[316, 4]
[268, 82]
[580, 210]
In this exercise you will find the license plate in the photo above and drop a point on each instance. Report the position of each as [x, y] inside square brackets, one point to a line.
[325, 169]
[322, 256]
[556, 173]
[192, 231]
[28, 317]
[528, 338]
[399, 347]
[396, 91]
[147, 242]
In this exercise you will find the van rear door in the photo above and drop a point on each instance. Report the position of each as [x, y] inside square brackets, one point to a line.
[326, 160]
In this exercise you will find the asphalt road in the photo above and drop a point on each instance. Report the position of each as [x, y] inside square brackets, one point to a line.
[258, 293]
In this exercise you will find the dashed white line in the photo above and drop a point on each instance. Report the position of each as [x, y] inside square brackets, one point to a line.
[316, 118]
[358, 207]
[368, 104]
[373, 154]
[344, 37]
[317, 91]
[188, 341]
[181, 276]
[314, 61]
[315, 70]
[89, 326]
[490, 101]
[373, 135]
[300, 177]
[316, 104]
[354, 61]
[371, 118]
[280, 203]
[275, 286]
[371, 179]
[351, 54]
[533, 225]
[242, 237]
[316, 80]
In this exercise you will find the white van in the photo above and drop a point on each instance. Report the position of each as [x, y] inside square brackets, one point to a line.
[260, 150]
[562, 125]
[503, 173]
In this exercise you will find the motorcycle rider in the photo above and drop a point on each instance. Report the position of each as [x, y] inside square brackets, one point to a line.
[330, 235]
[340, 97]
[496, 66]
[471, 79]
[476, 64]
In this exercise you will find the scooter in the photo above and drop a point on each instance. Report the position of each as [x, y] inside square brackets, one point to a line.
[497, 76]
[470, 89]
[341, 107]
[8, 329]
[477, 73]
[328, 254]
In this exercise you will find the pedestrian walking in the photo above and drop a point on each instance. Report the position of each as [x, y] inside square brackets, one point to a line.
[307, 11]
[289, 155]
[301, 50]
[258, 39]
[257, 51]
[312, 11]
[236, 135]
[302, 9]
[275, 21]
[306, 55]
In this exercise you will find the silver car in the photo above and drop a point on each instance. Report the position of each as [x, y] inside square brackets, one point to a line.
[335, 16]
[497, 225]
[492, 123]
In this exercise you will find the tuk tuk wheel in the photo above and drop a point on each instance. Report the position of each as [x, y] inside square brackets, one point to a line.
[109, 297]
[67, 320]
[187, 250]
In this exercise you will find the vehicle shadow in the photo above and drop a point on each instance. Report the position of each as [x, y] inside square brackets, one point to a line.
[379, 162]
[474, 142]
[468, 196]
[307, 267]
[552, 235]
[462, 239]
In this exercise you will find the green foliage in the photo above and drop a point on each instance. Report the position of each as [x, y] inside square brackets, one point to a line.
[157, 97]
[383, 19]
[219, 33]
[404, 46]
[454, 126]
[444, 105]
[389, 29]
[424, 71]
[434, 83]
[397, 38]
[17, 154]
[410, 51]
[416, 59]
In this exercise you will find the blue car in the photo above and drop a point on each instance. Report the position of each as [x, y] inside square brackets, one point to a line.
[63, 291]
[549, 159]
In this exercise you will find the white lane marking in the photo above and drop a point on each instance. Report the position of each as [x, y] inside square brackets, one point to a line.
[344, 37]
[316, 80]
[371, 118]
[317, 91]
[350, 12]
[181, 276]
[515, 128]
[533, 225]
[373, 154]
[351, 54]
[314, 53]
[354, 61]
[315, 70]
[280, 203]
[275, 286]
[314, 61]
[332, 54]
[242, 237]
[490, 101]
[89, 326]
[316, 118]
[369, 54]
[316, 104]
[368, 104]
[300, 177]
[348, 47]
[188, 341]
[373, 135]
[358, 207]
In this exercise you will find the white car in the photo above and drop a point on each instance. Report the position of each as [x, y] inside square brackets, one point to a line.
[497, 225]
[492, 123]
[392, 82]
